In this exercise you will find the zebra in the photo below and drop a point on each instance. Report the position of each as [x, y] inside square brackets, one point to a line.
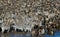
[17, 28]
[28, 29]
[5, 29]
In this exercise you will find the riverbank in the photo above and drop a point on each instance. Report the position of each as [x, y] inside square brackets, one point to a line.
[12, 33]
[20, 34]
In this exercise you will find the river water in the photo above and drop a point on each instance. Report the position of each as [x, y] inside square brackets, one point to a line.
[56, 34]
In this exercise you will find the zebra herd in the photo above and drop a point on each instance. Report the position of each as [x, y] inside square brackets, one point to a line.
[16, 28]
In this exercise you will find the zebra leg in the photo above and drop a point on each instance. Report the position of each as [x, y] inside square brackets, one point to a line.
[24, 30]
[30, 30]
[0, 29]
[3, 30]
[14, 29]
[6, 30]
